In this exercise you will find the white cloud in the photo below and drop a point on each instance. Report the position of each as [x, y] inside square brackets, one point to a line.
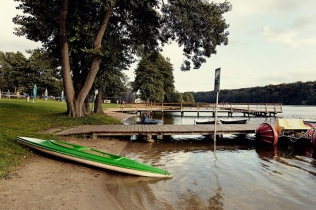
[279, 77]
[288, 37]
[250, 7]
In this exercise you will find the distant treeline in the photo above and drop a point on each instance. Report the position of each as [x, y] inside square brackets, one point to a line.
[298, 93]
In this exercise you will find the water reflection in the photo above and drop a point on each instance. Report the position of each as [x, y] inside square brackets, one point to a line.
[234, 173]
[226, 178]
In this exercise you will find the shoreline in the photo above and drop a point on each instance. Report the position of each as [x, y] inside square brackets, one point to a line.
[118, 115]
[47, 182]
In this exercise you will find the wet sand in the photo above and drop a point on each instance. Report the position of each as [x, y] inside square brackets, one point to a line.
[47, 182]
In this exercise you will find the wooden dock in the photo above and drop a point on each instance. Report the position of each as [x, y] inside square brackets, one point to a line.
[247, 109]
[95, 131]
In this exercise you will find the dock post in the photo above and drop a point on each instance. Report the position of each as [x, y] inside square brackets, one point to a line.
[231, 110]
[274, 110]
[149, 139]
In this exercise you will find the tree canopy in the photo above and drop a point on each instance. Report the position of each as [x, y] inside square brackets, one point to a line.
[154, 78]
[298, 93]
[188, 97]
[17, 73]
[81, 34]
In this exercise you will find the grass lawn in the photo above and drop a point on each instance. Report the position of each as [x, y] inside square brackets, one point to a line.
[19, 118]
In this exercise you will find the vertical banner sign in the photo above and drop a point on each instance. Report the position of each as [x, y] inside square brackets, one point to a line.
[216, 89]
[217, 79]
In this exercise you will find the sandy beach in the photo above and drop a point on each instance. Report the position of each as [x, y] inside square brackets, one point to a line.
[47, 182]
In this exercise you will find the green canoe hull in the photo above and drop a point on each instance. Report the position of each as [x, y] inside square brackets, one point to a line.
[92, 157]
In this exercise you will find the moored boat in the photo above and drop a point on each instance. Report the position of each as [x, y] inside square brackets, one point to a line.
[309, 120]
[233, 121]
[204, 121]
[147, 120]
[290, 129]
[92, 157]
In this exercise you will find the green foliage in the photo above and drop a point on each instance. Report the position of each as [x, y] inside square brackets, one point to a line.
[197, 25]
[297, 93]
[178, 97]
[12, 70]
[116, 31]
[188, 97]
[20, 74]
[113, 81]
[19, 118]
[154, 78]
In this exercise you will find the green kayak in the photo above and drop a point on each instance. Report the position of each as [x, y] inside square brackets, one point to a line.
[92, 157]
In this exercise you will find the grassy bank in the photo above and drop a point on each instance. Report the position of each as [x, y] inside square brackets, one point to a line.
[19, 118]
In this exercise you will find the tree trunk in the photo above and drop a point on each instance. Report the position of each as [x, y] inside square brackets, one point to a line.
[98, 103]
[65, 64]
[75, 105]
[86, 106]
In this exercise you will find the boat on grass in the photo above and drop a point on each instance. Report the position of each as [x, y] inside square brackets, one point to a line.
[92, 157]
[147, 120]
[233, 121]
[292, 130]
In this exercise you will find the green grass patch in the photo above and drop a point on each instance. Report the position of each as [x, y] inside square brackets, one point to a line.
[19, 118]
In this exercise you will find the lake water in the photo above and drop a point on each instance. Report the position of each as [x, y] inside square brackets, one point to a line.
[239, 174]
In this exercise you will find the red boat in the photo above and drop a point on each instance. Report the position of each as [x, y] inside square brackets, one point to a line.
[291, 129]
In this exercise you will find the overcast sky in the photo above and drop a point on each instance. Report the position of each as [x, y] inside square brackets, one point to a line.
[270, 42]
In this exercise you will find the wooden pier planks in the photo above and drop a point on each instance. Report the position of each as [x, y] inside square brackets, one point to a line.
[141, 129]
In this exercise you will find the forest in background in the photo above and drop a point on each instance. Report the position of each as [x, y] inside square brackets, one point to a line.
[298, 93]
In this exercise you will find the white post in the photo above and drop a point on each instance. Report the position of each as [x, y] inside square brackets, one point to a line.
[216, 105]
[217, 89]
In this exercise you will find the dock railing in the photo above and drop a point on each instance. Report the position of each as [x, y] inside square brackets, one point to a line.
[253, 108]
[246, 108]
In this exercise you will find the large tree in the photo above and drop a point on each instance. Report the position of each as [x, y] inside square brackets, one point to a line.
[188, 97]
[111, 82]
[87, 32]
[13, 67]
[154, 78]
[18, 73]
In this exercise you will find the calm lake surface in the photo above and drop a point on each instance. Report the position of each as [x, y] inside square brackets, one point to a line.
[239, 174]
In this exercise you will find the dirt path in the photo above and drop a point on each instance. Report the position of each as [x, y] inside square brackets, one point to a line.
[47, 182]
